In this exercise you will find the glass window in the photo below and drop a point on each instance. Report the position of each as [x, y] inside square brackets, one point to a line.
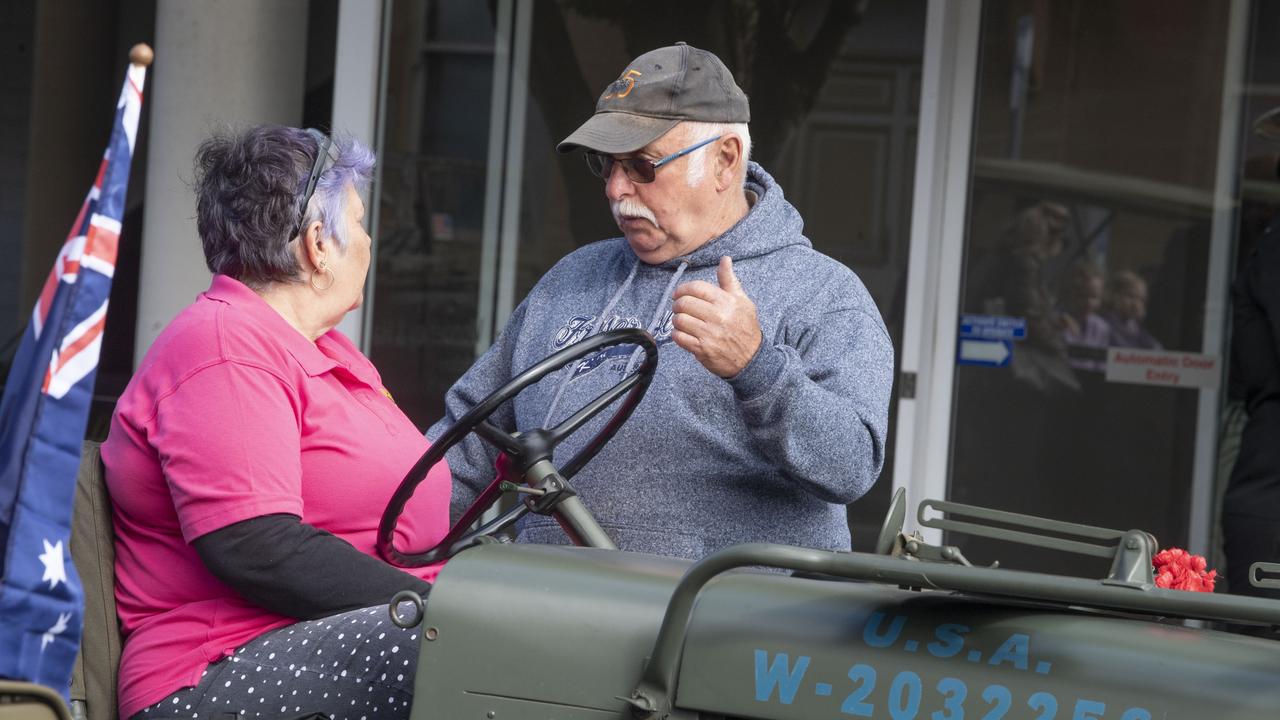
[432, 199]
[1095, 149]
[18, 33]
[834, 90]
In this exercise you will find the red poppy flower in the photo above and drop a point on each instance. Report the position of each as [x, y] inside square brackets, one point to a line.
[1177, 569]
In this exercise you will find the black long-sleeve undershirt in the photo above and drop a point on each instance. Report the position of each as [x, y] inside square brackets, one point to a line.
[294, 569]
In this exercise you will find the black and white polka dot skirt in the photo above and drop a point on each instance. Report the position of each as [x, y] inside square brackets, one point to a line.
[357, 665]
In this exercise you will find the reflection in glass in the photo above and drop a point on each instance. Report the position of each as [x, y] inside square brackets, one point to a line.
[432, 199]
[1092, 183]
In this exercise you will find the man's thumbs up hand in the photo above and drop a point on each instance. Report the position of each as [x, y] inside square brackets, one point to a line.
[718, 325]
[728, 281]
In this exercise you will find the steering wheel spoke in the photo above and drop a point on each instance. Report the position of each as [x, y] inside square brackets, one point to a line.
[593, 408]
[498, 437]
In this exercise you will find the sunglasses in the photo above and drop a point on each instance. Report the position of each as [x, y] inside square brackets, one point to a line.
[637, 169]
[324, 144]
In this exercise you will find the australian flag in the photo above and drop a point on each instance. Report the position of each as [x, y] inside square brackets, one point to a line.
[42, 424]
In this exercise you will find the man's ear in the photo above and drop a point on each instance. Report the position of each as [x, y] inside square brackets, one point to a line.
[728, 159]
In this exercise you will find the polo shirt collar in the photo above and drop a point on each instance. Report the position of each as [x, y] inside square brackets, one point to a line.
[239, 296]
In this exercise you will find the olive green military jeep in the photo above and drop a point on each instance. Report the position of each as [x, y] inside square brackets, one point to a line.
[910, 631]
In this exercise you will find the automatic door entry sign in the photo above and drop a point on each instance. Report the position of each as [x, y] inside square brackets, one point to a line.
[988, 339]
[1163, 367]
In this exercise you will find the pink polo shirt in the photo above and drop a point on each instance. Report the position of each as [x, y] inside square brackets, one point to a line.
[233, 415]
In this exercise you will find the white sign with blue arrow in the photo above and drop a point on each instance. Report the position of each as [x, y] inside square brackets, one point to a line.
[992, 353]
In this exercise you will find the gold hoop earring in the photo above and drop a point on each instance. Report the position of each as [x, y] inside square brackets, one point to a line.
[321, 270]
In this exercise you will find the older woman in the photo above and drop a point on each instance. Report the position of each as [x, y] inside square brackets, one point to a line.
[251, 456]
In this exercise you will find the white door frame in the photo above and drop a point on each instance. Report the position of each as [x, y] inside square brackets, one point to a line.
[513, 181]
[948, 88]
[357, 79]
[1217, 310]
[495, 165]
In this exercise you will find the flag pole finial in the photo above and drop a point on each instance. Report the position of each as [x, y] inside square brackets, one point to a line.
[141, 54]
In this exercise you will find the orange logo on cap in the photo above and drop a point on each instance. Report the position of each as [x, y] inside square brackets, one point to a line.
[623, 86]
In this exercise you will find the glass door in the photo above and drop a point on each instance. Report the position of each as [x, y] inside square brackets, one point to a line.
[443, 61]
[1090, 328]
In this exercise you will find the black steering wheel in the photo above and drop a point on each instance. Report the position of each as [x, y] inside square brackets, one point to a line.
[520, 451]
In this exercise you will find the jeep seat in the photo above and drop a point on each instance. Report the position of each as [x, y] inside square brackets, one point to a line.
[28, 701]
[93, 680]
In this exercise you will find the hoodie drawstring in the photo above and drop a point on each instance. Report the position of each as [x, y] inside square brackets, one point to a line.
[657, 315]
[599, 326]
[602, 320]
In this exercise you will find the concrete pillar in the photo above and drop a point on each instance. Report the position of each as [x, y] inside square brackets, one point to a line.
[236, 62]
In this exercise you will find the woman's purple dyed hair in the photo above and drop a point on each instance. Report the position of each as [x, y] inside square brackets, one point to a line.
[249, 188]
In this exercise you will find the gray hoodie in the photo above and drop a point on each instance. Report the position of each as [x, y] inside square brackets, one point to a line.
[772, 454]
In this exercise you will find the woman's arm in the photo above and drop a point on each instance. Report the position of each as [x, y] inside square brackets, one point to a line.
[297, 570]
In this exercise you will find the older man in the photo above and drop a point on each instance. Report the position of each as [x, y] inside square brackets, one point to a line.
[769, 408]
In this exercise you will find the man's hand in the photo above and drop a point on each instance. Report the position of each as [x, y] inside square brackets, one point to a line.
[717, 324]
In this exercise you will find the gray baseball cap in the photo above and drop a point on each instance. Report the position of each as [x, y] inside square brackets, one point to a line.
[656, 92]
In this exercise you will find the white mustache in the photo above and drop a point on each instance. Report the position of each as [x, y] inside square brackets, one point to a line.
[629, 208]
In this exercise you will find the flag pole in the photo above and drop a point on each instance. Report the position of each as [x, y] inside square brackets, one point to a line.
[141, 54]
